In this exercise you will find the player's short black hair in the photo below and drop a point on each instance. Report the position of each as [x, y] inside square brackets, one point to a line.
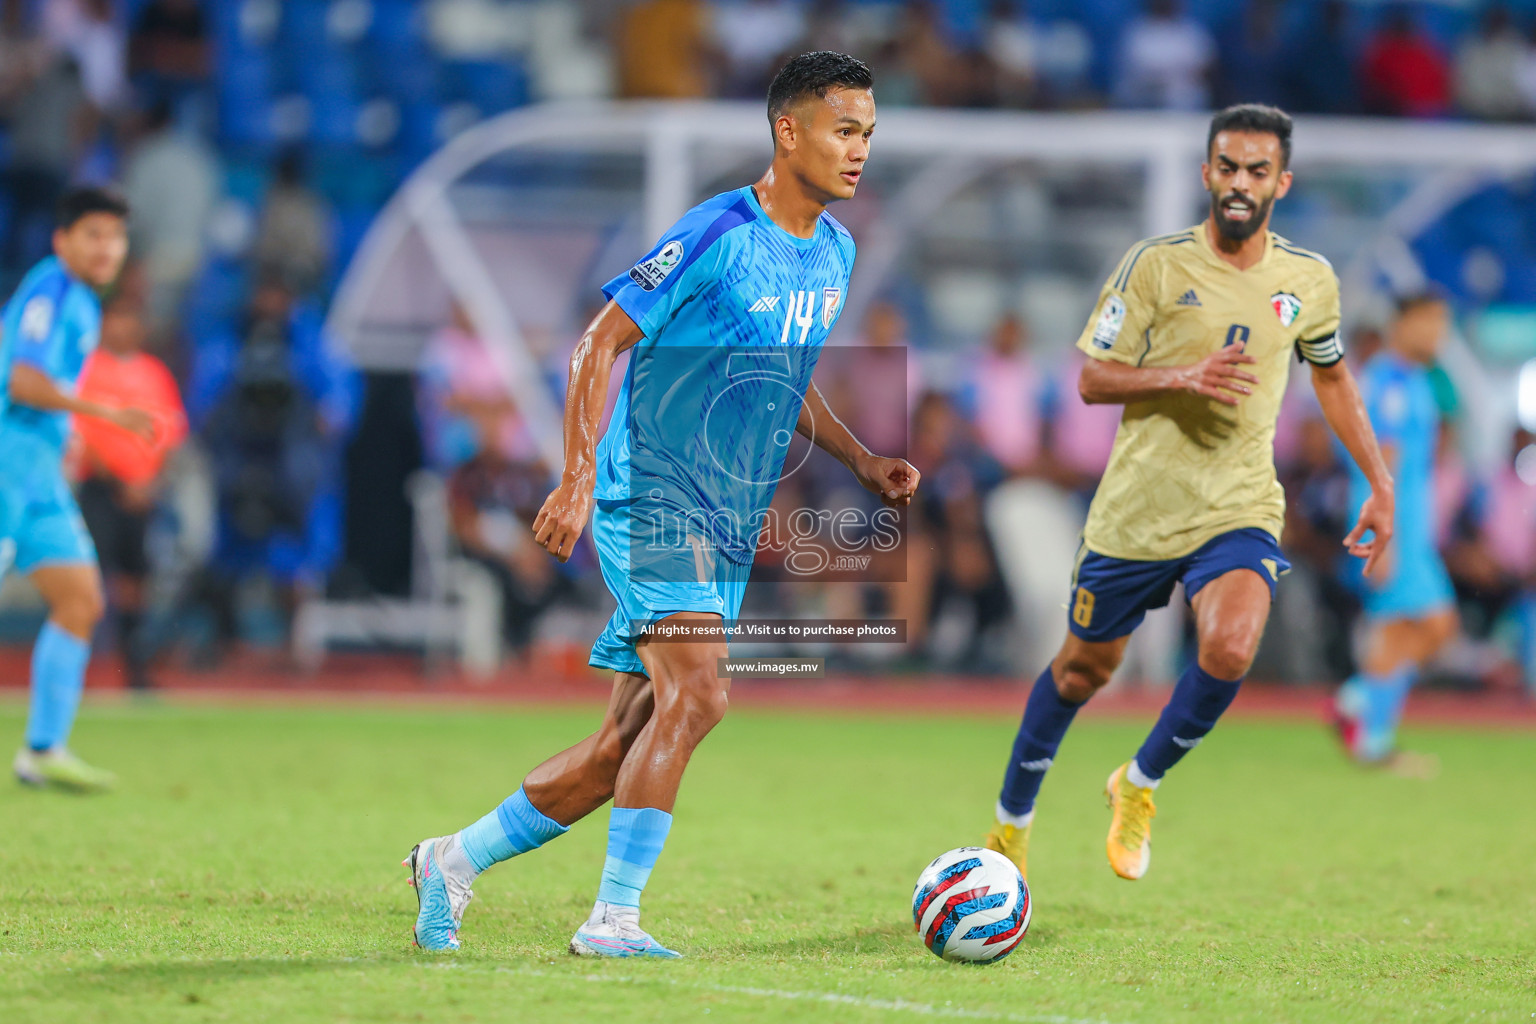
[1256, 118]
[86, 199]
[815, 73]
[1429, 295]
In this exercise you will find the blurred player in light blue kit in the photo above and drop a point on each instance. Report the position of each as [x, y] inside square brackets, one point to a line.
[724, 320]
[50, 326]
[1410, 607]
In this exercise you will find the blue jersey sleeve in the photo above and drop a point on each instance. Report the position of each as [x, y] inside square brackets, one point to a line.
[687, 260]
[32, 322]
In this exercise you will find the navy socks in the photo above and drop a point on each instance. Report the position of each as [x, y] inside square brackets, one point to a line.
[1046, 718]
[1197, 702]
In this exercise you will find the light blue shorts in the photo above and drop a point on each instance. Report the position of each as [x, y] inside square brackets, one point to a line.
[651, 582]
[40, 524]
[1418, 586]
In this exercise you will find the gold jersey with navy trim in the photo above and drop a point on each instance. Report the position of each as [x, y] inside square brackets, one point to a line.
[1185, 468]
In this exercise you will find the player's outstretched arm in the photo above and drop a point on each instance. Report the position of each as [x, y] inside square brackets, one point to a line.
[564, 514]
[36, 390]
[1219, 376]
[1345, 411]
[895, 480]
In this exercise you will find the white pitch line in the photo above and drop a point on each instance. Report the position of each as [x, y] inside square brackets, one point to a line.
[836, 998]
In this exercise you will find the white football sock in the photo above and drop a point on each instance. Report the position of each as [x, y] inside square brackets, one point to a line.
[1016, 820]
[454, 861]
[615, 913]
[1139, 778]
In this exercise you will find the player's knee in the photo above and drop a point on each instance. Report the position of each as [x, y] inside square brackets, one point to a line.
[701, 707]
[1444, 631]
[1077, 679]
[1228, 657]
[609, 750]
[695, 703]
[79, 611]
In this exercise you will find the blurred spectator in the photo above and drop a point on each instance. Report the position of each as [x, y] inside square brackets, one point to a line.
[1316, 512]
[948, 520]
[120, 474]
[172, 181]
[1488, 68]
[293, 242]
[664, 50]
[1165, 60]
[1402, 72]
[1013, 45]
[88, 31]
[924, 52]
[492, 502]
[1080, 436]
[273, 413]
[169, 53]
[1318, 67]
[50, 126]
[1009, 394]
[462, 401]
[1365, 341]
[1492, 560]
[469, 30]
[885, 326]
[1253, 58]
[1040, 64]
[755, 37]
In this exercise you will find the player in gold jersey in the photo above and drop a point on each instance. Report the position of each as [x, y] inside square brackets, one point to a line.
[1194, 334]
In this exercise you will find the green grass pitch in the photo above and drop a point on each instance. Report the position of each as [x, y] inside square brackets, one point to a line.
[247, 870]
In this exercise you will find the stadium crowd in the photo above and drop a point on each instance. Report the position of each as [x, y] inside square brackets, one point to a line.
[256, 140]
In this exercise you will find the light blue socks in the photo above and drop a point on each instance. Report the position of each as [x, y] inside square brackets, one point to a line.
[513, 828]
[58, 677]
[635, 839]
[1377, 702]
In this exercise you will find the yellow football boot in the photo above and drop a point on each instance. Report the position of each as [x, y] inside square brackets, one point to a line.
[1012, 842]
[1130, 832]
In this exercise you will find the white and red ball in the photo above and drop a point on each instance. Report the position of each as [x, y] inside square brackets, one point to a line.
[971, 905]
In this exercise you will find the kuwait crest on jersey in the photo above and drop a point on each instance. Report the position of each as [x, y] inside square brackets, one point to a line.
[831, 299]
[1287, 307]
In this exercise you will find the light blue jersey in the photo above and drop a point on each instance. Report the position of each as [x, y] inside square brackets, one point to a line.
[52, 323]
[1401, 403]
[735, 311]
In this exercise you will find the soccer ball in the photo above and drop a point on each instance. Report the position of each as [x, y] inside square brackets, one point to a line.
[971, 905]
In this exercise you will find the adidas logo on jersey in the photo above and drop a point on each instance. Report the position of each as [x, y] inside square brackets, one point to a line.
[766, 304]
[1189, 298]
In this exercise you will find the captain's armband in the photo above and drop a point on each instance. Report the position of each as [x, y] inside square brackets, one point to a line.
[1324, 351]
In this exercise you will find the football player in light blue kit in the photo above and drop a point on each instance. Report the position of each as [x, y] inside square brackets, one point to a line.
[50, 326]
[1410, 607]
[724, 320]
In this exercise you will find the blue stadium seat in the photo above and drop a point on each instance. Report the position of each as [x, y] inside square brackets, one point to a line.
[397, 27]
[418, 129]
[303, 32]
[492, 86]
[245, 96]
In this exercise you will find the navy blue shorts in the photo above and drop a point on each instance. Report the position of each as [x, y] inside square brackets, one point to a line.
[1110, 596]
